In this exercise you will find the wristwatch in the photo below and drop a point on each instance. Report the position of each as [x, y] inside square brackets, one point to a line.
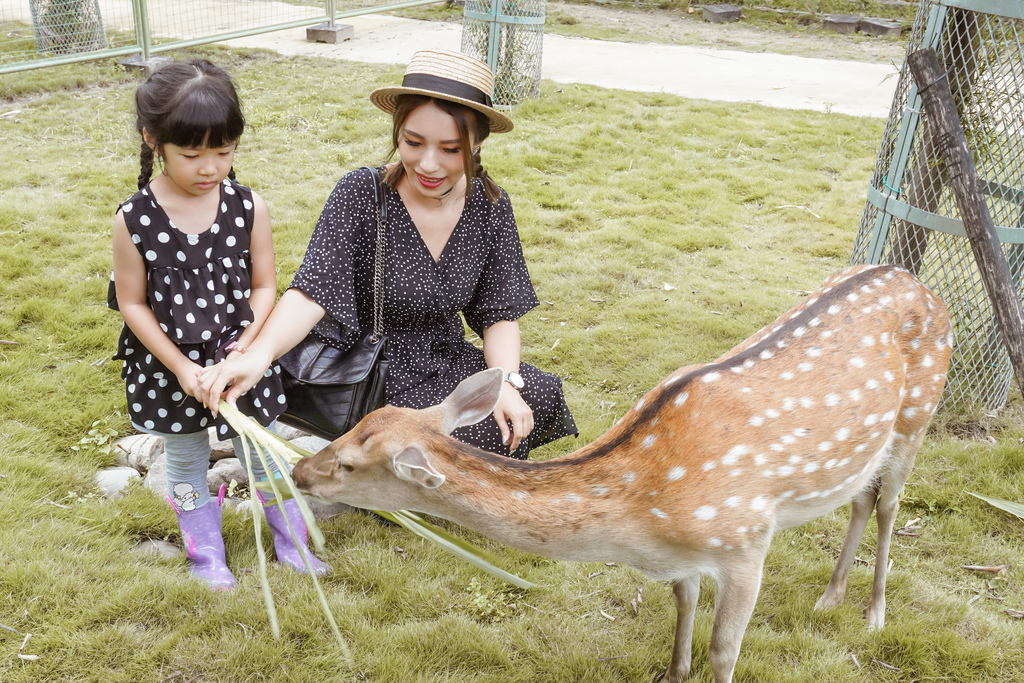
[515, 380]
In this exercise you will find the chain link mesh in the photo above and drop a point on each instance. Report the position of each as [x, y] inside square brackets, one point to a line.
[509, 36]
[912, 217]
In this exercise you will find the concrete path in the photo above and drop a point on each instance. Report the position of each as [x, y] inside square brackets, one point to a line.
[857, 88]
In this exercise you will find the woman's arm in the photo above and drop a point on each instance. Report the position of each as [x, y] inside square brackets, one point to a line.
[289, 323]
[502, 347]
[130, 287]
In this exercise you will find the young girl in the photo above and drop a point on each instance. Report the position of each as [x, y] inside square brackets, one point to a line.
[194, 280]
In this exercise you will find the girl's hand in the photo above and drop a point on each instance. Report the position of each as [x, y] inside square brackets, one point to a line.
[188, 378]
[238, 373]
[512, 409]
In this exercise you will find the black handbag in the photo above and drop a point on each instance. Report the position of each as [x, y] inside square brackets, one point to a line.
[328, 390]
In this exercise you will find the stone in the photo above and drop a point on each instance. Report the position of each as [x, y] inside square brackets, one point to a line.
[880, 27]
[220, 448]
[721, 14]
[138, 451]
[842, 23]
[162, 549]
[223, 472]
[147, 66]
[112, 482]
[313, 444]
[322, 511]
[156, 477]
[288, 432]
[330, 33]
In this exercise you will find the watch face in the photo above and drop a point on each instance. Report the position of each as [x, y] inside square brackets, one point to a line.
[514, 379]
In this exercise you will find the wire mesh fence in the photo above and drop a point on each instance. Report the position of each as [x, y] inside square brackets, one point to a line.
[912, 218]
[509, 36]
[39, 33]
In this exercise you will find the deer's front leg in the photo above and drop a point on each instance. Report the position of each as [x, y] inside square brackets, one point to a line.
[685, 593]
[736, 589]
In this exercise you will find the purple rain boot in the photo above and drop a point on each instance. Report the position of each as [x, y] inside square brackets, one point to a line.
[204, 545]
[288, 553]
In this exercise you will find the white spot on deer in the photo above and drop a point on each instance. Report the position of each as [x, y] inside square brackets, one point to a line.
[710, 377]
[861, 448]
[759, 503]
[851, 297]
[814, 352]
[842, 434]
[938, 378]
[806, 402]
[781, 344]
[814, 322]
[927, 361]
[705, 512]
[760, 459]
[520, 495]
[857, 362]
[805, 367]
[756, 421]
[829, 464]
[870, 420]
[658, 513]
[825, 446]
[772, 413]
[909, 296]
[794, 459]
[572, 498]
[915, 343]
[872, 384]
[787, 439]
[844, 462]
[867, 340]
[709, 465]
[831, 400]
[883, 339]
[732, 501]
[788, 404]
[927, 407]
[867, 310]
[734, 454]
[888, 376]
[629, 477]
[800, 331]
[715, 542]
[866, 289]
[785, 470]
[681, 398]
[748, 363]
[765, 355]
[855, 395]
[598, 490]
[826, 334]
[640, 404]
[889, 416]
[746, 390]
[777, 447]
[909, 412]
[808, 496]
[649, 440]
[742, 529]
[676, 473]
[787, 375]
[671, 380]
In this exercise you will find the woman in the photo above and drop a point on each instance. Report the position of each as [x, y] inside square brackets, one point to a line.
[452, 246]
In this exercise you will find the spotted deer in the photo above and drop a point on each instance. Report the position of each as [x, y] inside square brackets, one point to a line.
[827, 405]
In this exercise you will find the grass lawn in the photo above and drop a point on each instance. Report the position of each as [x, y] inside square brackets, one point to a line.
[659, 232]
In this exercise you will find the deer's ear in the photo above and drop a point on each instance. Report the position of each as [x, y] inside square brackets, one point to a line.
[412, 465]
[473, 400]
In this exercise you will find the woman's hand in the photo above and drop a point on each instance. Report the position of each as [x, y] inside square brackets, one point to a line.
[512, 410]
[238, 373]
[188, 377]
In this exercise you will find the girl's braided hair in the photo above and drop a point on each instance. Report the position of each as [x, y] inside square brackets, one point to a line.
[188, 104]
[473, 129]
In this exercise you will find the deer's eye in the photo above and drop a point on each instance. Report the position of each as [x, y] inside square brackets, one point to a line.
[348, 468]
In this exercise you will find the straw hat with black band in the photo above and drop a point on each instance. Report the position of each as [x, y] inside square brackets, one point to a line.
[447, 75]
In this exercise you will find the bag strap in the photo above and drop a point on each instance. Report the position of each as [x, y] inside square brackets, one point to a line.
[378, 266]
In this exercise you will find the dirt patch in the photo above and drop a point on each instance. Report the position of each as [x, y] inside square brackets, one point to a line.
[805, 38]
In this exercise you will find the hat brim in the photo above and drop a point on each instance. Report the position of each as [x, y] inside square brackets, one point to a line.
[386, 99]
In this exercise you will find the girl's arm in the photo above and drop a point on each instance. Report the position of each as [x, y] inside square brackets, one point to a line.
[130, 287]
[288, 324]
[263, 285]
[502, 347]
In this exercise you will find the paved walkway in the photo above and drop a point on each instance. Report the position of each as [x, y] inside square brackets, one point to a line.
[857, 88]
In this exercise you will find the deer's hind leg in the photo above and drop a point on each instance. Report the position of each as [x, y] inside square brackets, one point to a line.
[685, 593]
[894, 476]
[860, 512]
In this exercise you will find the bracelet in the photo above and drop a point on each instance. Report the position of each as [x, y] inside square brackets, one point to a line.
[233, 346]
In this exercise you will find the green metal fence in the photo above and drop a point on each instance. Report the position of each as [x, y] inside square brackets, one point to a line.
[911, 217]
[41, 33]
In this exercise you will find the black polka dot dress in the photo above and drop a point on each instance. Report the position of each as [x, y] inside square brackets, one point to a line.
[198, 289]
[481, 273]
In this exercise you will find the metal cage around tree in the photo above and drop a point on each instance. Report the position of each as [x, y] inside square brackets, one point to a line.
[912, 218]
[509, 36]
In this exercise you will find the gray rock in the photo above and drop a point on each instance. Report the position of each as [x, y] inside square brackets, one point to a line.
[138, 451]
[721, 14]
[156, 477]
[162, 549]
[313, 444]
[842, 23]
[113, 481]
[289, 433]
[880, 27]
[223, 472]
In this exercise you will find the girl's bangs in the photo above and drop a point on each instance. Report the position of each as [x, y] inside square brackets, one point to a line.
[205, 120]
